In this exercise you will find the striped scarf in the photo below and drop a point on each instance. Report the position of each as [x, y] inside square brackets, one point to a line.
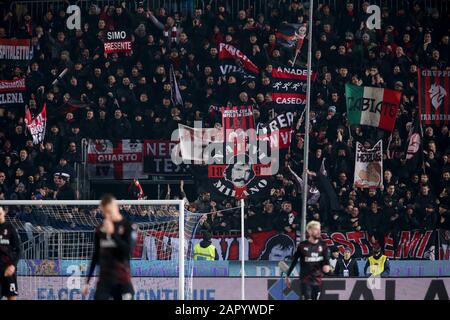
[171, 34]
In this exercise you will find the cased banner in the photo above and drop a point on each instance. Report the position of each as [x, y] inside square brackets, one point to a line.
[122, 160]
[276, 246]
[434, 91]
[369, 166]
[289, 86]
[158, 161]
[12, 92]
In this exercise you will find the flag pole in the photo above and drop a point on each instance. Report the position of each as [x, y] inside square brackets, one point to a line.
[306, 139]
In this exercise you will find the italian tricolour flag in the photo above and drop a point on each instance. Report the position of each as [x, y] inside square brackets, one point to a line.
[376, 107]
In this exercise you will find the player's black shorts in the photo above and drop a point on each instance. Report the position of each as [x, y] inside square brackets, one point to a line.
[8, 286]
[117, 291]
[309, 291]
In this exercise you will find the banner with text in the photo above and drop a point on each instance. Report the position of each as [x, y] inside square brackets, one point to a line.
[117, 42]
[434, 101]
[369, 166]
[15, 51]
[157, 158]
[289, 86]
[12, 92]
[122, 160]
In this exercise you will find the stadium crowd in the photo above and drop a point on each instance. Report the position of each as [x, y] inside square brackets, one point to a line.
[117, 96]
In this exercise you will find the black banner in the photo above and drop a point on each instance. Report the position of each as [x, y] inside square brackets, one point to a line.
[158, 161]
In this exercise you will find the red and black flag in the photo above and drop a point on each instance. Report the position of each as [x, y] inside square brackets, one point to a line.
[234, 60]
[434, 90]
[291, 35]
[289, 86]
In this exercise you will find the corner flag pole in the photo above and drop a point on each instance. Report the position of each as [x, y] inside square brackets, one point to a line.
[306, 139]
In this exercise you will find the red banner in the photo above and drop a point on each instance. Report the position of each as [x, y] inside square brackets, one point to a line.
[227, 51]
[15, 50]
[37, 125]
[434, 91]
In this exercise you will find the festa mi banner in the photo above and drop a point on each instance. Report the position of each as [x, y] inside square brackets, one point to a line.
[117, 42]
[434, 91]
[275, 246]
[157, 158]
[12, 91]
[15, 50]
[122, 160]
[370, 106]
[369, 166]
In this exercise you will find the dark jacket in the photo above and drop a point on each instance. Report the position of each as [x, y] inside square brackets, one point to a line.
[351, 265]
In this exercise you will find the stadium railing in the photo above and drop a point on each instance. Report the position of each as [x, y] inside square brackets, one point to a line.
[38, 8]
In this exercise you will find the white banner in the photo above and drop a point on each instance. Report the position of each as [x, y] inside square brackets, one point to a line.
[369, 166]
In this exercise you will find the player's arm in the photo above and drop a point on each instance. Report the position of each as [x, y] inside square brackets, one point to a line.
[95, 256]
[125, 242]
[15, 252]
[292, 266]
[326, 268]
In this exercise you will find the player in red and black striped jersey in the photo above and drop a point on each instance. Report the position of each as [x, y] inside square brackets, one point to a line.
[10, 252]
[314, 262]
[113, 244]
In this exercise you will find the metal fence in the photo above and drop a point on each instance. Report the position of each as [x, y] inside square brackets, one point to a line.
[38, 8]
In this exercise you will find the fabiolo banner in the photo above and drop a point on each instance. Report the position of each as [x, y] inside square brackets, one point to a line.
[376, 107]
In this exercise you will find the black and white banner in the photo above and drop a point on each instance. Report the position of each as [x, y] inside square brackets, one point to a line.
[157, 158]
